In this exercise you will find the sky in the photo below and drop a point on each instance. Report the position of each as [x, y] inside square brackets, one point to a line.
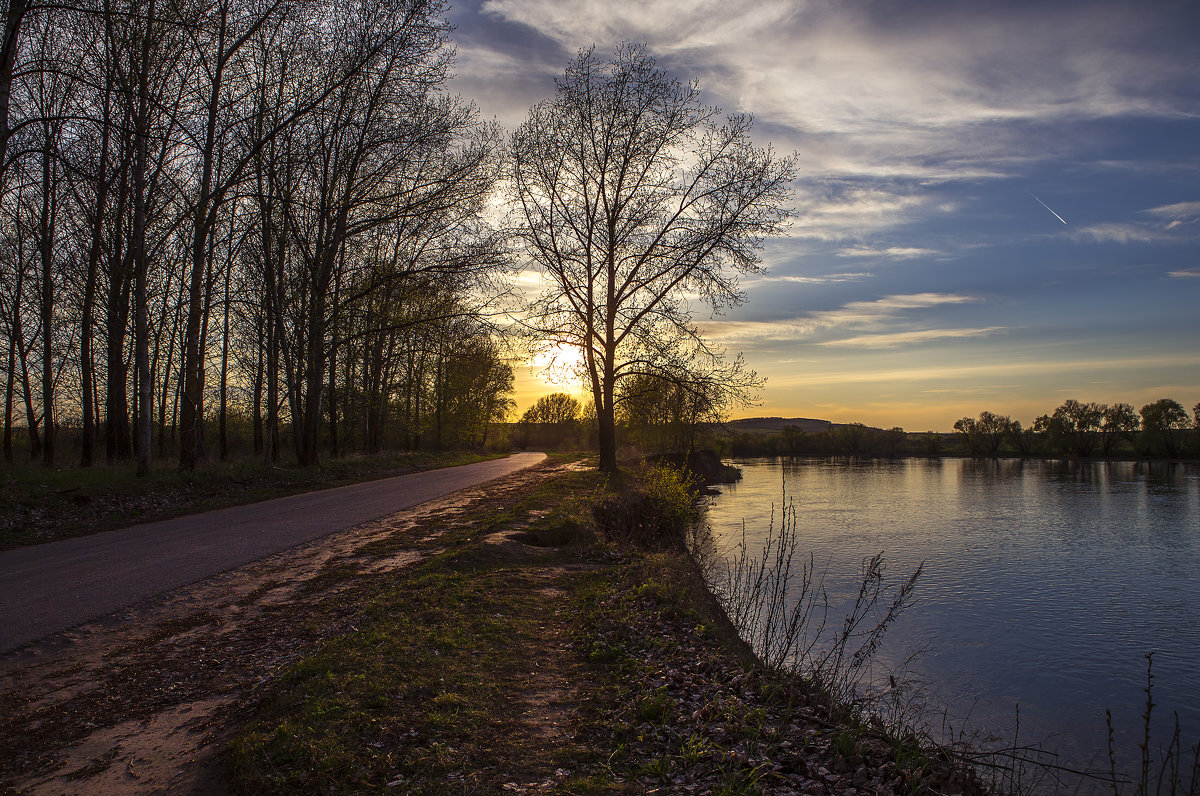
[997, 205]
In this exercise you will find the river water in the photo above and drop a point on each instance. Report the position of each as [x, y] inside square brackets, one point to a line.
[1045, 583]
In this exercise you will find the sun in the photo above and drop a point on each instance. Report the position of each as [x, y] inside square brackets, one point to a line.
[560, 361]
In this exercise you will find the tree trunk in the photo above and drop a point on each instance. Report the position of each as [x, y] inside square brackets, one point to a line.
[256, 401]
[271, 310]
[333, 407]
[8, 62]
[46, 305]
[166, 380]
[9, 387]
[31, 418]
[117, 439]
[606, 417]
[438, 398]
[193, 385]
[314, 375]
[223, 430]
[141, 319]
[141, 336]
[95, 249]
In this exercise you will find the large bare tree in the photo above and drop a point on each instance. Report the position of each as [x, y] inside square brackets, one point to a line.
[634, 197]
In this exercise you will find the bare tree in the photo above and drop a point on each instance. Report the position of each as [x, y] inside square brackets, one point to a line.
[278, 187]
[388, 181]
[631, 195]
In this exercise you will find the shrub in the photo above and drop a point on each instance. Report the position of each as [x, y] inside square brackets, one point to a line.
[656, 509]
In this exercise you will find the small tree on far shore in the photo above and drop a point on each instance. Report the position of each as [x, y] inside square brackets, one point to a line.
[984, 436]
[1163, 424]
[1120, 421]
[557, 407]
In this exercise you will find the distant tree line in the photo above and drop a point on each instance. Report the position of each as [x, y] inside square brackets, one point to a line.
[849, 439]
[655, 413]
[1160, 429]
[242, 222]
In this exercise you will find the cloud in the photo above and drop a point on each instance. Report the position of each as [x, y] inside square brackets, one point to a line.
[1174, 215]
[906, 91]
[1186, 211]
[1184, 273]
[876, 316]
[532, 279]
[824, 279]
[891, 252]
[1178, 214]
[665, 24]
[838, 212]
[1118, 232]
[987, 370]
[504, 83]
[895, 339]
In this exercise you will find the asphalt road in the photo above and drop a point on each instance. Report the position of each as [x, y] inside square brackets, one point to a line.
[48, 588]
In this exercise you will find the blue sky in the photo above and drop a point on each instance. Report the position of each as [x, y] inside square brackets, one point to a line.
[923, 279]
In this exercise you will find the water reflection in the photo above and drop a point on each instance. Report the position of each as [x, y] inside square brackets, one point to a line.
[1046, 582]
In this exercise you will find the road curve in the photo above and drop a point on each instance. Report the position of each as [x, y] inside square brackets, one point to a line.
[48, 588]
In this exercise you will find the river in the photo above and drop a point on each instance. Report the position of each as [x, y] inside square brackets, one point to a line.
[1045, 583]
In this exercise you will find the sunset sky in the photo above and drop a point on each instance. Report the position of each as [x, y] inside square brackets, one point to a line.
[998, 204]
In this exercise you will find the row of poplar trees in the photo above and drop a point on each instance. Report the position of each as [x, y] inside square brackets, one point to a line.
[263, 209]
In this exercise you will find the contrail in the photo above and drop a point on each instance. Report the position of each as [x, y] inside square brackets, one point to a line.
[1043, 204]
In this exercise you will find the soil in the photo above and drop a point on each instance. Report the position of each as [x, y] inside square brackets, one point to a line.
[144, 700]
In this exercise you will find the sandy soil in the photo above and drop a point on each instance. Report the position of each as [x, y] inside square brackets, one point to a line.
[142, 701]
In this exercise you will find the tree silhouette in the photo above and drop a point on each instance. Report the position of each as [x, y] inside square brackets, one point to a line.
[557, 407]
[632, 197]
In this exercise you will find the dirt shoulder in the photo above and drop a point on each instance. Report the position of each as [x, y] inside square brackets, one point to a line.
[146, 699]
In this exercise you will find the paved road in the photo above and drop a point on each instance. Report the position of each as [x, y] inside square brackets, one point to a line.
[51, 587]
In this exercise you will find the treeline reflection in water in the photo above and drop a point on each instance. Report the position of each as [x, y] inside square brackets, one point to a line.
[1045, 582]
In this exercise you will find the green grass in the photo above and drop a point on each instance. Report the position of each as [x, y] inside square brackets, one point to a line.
[39, 504]
[433, 691]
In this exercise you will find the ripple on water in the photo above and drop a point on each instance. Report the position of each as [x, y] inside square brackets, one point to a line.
[1045, 583]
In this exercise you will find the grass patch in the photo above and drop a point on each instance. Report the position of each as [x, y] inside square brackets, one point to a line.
[410, 696]
[458, 679]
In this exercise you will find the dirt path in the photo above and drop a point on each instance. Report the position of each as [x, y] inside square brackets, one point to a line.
[48, 588]
[143, 700]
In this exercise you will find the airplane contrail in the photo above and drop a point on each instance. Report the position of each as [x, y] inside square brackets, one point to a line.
[1043, 204]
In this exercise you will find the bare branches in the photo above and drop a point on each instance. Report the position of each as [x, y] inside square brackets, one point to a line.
[630, 194]
[276, 190]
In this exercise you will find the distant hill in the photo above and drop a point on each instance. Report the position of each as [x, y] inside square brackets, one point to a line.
[773, 425]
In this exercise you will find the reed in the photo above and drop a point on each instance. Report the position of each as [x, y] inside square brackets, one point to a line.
[775, 596]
